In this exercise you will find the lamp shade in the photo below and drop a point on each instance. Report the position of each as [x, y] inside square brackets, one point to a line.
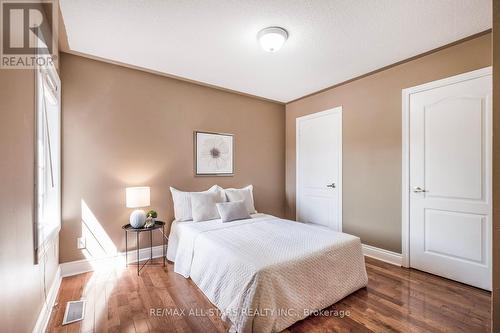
[137, 196]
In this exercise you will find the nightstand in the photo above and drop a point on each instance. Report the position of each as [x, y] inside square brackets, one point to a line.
[159, 225]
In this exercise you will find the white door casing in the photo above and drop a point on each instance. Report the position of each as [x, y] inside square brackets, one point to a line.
[319, 168]
[447, 178]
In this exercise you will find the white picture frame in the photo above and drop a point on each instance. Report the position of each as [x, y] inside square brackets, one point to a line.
[213, 154]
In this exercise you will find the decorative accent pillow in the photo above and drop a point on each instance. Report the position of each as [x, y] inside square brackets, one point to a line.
[182, 202]
[204, 206]
[242, 194]
[232, 211]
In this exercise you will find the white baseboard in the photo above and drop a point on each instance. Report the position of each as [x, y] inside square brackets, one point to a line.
[44, 315]
[383, 255]
[88, 265]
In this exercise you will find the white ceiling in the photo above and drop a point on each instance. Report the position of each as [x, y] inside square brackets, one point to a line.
[214, 41]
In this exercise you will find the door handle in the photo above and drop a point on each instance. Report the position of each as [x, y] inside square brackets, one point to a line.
[332, 185]
[418, 189]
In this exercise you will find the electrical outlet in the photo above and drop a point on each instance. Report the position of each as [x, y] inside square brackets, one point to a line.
[80, 243]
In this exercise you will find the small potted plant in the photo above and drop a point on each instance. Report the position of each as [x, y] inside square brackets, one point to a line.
[151, 216]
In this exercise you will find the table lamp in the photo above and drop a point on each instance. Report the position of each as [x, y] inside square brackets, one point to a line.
[137, 197]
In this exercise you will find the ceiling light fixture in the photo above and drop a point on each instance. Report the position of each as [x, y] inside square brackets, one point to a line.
[272, 38]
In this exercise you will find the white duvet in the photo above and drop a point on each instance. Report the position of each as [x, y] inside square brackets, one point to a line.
[266, 273]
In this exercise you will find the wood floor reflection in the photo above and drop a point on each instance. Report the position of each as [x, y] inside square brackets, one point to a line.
[396, 300]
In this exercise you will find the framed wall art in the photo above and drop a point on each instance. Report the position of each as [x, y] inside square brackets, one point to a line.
[214, 154]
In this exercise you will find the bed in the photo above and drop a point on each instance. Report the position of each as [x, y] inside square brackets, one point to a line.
[266, 273]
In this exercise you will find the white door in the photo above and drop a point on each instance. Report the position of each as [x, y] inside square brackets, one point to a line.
[319, 168]
[450, 178]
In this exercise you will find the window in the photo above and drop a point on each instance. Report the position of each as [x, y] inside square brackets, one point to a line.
[48, 155]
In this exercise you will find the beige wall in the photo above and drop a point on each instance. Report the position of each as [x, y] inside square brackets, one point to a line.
[22, 291]
[124, 127]
[372, 138]
[496, 167]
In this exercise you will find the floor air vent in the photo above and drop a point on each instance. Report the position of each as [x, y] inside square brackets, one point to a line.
[74, 312]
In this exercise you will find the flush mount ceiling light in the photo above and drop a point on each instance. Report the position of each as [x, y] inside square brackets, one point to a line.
[272, 39]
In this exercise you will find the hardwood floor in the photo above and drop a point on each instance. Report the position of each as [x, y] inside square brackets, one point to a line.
[396, 300]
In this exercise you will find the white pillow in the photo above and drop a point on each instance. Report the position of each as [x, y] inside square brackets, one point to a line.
[242, 194]
[204, 205]
[182, 202]
[232, 211]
